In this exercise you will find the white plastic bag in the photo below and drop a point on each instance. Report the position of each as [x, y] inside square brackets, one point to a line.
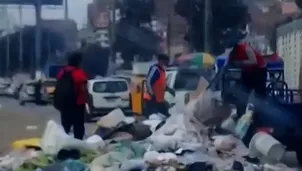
[112, 119]
[54, 139]
[95, 140]
[201, 109]
[157, 117]
[16, 158]
[204, 106]
[157, 158]
[224, 143]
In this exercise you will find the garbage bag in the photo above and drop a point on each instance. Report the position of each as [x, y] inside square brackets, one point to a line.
[204, 107]
[96, 140]
[16, 158]
[112, 119]
[157, 117]
[129, 149]
[152, 123]
[40, 161]
[54, 167]
[75, 165]
[26, 143]
[174, 133]
[54, 139]
[200, 111]
[68, 165]
[156, 158]
[108, 160]
[134, 164]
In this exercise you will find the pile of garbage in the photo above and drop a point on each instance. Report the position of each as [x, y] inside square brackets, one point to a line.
[186, 141]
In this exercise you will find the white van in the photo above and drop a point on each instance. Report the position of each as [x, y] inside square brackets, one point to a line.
[107, 94]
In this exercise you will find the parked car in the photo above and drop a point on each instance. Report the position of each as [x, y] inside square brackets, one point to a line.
[4, 85]
[48, 86]
[13, 90]
[125, 77]
[27, 93]
[105, 95]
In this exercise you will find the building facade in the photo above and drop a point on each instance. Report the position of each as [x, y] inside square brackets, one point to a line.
[289, 47]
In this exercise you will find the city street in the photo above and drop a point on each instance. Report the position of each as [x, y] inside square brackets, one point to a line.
[19, 122]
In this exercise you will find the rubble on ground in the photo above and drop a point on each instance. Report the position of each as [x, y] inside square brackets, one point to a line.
[181, 142]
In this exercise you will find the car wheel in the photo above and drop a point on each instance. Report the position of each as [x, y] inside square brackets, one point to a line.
[22, 103]
[299, 156]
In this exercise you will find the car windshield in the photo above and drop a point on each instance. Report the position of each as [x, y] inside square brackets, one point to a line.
[186, 81]
[128, 79]
[110, 87]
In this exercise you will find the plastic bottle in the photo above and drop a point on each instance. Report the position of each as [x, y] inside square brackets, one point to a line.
[230, 123]
[245, 121]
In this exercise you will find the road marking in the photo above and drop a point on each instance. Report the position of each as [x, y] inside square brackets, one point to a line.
[31, 127]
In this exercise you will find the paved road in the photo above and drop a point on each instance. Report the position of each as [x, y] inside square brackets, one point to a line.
[18, 122]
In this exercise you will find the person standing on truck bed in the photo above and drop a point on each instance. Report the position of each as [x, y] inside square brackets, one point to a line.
[70, 95]
[154, 97]
[253, 71]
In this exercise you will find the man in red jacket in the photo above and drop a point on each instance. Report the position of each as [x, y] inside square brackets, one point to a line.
[253, 69]
[74, 116]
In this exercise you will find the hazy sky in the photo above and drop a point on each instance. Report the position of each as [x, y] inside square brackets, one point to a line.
[77, 12]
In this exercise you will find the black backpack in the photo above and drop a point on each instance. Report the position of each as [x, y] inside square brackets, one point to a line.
[65, 93]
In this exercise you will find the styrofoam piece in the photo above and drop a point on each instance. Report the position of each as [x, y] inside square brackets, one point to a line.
[264, 144]
[112, 119]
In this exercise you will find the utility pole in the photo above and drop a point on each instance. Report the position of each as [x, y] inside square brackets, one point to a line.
[66, 16]
[113, 31]
[20, 39]
[206, 34]
[7, 64]
[169, 35]
[36, 60]
[191, 31]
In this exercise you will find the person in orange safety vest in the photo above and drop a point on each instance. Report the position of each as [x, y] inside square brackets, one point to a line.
[253, 71]
[154, 101]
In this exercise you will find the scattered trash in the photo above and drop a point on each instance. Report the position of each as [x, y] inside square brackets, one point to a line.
[264, 145]
[224, 143]
[184, 141]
